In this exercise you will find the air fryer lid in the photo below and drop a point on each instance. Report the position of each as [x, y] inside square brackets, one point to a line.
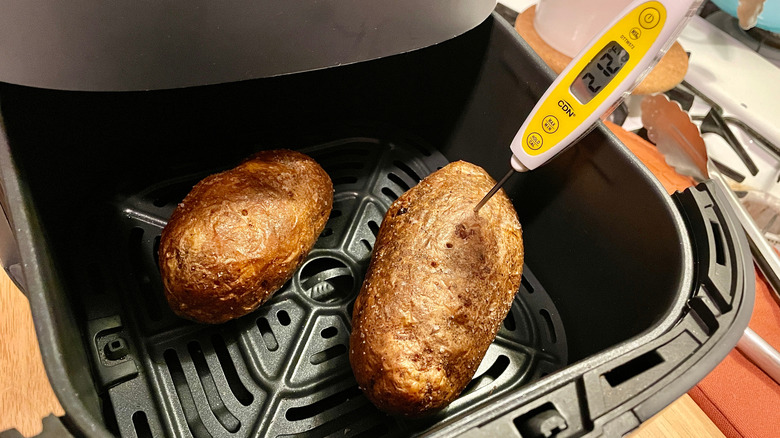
[140, 45]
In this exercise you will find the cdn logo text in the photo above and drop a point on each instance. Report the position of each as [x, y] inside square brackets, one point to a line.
[566, 107]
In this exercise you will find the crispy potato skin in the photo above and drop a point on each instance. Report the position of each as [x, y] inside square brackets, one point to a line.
[239, 235]
[440, 282]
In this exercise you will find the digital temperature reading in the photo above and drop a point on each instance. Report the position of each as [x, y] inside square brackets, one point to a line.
[599, 72]
[598, 78]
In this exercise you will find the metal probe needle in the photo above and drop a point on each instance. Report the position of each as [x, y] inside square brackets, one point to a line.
[494, 190]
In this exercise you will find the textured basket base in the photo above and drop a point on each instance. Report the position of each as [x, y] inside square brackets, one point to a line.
[283, 370]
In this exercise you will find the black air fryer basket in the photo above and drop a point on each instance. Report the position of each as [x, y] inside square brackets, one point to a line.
[629, 296]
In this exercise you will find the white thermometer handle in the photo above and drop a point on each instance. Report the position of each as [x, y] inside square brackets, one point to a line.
[599, 78]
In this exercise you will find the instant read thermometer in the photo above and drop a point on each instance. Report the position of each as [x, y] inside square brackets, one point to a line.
[597, 80]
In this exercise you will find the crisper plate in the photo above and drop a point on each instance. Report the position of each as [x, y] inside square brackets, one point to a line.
[283, 370]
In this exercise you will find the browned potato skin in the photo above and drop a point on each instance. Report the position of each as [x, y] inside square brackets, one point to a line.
[440, 282]
[239, 235]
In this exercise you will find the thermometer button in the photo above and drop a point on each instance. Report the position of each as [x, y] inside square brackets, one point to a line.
[534, 141]
[550, 124]
[649, 18]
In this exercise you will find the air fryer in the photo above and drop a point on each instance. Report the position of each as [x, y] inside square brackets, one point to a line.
[629, 296]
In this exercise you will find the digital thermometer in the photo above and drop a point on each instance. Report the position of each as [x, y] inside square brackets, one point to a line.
[597, 80]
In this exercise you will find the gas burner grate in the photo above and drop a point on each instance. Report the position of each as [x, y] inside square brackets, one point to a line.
[284, 370]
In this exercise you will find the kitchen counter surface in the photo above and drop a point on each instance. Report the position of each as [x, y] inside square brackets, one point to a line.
[26, 396]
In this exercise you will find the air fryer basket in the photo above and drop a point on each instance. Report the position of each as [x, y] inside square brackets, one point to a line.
[629, 296]
[283, 370]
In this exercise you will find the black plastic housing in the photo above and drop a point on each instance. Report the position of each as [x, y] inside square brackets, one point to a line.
[147, 45]
[650, 291]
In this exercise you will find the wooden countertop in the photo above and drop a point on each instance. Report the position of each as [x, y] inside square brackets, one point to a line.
[26, 396]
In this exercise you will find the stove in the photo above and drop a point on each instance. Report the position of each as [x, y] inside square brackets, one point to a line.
[730, 75]
[764, 42]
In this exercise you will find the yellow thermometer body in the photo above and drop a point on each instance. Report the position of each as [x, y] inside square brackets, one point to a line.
[599, 78]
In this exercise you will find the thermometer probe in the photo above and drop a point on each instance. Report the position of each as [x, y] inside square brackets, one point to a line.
[596, 81]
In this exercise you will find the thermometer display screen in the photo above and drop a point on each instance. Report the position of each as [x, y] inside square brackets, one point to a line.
[599, 72]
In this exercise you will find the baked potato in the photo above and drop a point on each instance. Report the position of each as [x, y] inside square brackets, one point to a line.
[239, 235]
[440, 282]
